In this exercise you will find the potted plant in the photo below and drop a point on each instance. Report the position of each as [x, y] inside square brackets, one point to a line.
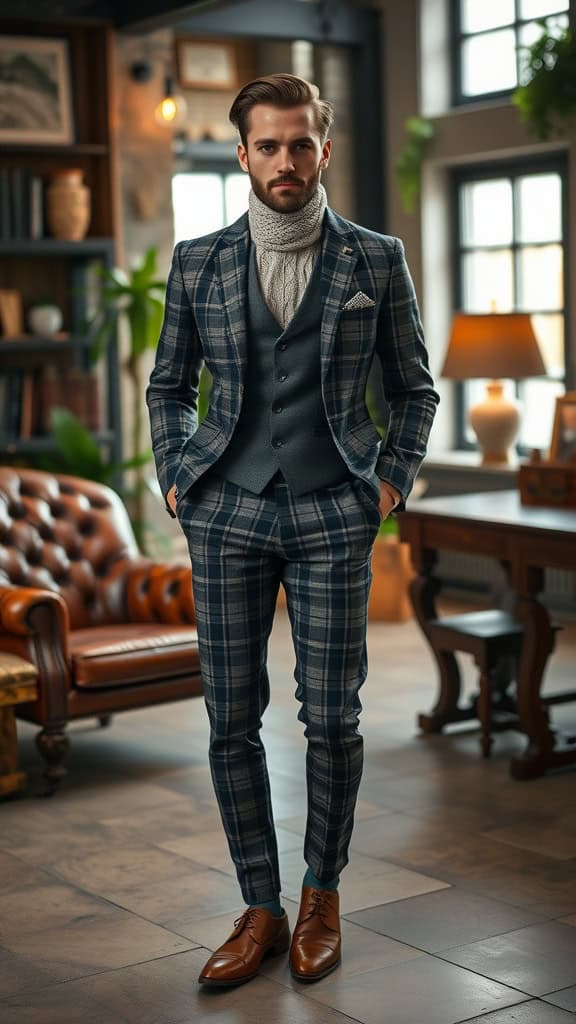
[547, 101]
[391, 566]
[134, 300]
[408, 164]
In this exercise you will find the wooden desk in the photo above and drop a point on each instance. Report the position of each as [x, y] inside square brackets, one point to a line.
[526, 541]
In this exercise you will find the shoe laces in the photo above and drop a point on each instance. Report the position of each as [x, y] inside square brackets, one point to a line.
[247, 918]
[318, 899]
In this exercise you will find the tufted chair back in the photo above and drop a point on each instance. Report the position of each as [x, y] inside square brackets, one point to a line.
[67, 535]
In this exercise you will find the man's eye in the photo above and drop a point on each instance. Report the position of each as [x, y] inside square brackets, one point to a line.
[266, 148]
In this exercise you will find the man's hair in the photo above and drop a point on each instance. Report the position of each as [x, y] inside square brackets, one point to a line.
[281, 90]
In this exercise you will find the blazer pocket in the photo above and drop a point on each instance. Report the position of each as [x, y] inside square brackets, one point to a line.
[205, 434]
[366, 433]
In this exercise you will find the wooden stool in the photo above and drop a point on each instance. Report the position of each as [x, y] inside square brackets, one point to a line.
[17, 686]
[489, 636]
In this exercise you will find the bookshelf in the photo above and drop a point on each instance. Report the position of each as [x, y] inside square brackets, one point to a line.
[39, 372]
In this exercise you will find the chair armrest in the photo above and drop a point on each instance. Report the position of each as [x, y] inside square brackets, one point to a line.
[21, 609]
[160, 593]
[34, 624]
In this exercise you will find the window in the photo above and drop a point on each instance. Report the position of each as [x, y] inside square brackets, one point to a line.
[204, 201]
[510, 229]
[490, 36]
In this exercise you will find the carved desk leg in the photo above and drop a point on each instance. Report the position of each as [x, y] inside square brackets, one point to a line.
[537, 647]
[423, 591]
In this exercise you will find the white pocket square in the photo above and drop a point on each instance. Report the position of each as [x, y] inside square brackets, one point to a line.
[359, 301]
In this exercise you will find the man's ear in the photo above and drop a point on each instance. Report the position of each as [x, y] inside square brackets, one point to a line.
[326, 150]
[242, 157]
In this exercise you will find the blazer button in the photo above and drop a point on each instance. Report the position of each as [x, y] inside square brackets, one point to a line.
[277, 442]
[283, 346]
[277, 408]
[283, 377]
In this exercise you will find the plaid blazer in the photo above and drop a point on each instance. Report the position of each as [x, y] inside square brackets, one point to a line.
[204, 321]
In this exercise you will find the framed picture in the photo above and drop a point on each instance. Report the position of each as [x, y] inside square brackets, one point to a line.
[563, 445]
[35, 100]
[206, 64]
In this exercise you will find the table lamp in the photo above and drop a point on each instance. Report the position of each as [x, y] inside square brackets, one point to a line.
[494, 345]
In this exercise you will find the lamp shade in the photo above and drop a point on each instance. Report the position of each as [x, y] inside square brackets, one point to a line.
[492, 345]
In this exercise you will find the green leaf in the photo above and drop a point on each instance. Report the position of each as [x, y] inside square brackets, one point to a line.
[547, 100]
[77, 447]
[408, 163]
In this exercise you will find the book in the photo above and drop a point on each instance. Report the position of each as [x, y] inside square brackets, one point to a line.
[36, 220]
[5, 216]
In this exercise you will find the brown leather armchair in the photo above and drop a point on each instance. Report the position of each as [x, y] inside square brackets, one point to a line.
[107, 629]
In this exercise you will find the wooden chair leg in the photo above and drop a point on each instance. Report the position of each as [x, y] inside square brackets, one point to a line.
[485, 713]
[53, 745]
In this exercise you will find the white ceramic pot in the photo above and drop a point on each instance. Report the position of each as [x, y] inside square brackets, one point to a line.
[45, 320]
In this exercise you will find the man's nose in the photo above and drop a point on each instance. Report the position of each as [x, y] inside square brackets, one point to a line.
[285, 161]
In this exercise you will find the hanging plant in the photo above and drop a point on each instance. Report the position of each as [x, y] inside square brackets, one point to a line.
[547, 102]
[408, 164]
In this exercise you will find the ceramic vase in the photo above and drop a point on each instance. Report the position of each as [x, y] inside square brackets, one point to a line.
[68, 205]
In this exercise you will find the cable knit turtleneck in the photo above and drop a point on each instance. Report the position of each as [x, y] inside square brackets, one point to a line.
[286, 244]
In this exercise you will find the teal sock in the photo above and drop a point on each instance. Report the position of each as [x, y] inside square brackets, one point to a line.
[274, 906]
[311, 880]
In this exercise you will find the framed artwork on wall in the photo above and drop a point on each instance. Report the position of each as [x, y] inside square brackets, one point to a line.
[35, 97]
[206, 63]
[563, 444]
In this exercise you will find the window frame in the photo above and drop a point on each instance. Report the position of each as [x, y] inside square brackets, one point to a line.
[556, 163]
[457, 36]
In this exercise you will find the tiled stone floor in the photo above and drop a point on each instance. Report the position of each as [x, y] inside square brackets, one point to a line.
[459, 900]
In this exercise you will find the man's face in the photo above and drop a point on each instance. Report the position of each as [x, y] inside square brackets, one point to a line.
[284, 155]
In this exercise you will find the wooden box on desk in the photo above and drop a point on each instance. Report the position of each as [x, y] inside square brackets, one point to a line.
[552, 484]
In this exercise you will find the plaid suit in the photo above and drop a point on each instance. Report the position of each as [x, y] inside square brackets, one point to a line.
[318, 545]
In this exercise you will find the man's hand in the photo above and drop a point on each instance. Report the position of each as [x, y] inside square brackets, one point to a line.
[389, 498]
[171, 498]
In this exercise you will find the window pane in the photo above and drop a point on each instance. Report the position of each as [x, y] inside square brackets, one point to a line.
[540, 277]
[540, 208]
[303, 59]
[549, 329]
[538, 8]
[236, 189]
[477, 15]
[528, 35]
[488, 282]
[198, 204]
[489, 63]
[487, 213]
[538, 400]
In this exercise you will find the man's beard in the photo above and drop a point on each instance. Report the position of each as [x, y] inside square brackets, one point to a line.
[287, 203]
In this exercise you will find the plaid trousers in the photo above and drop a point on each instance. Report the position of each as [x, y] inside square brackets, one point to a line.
[318, 545]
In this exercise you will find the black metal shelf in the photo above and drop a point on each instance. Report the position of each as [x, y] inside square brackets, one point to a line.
[32, 343]
[56, 247]
[74, 149]
[33, 445]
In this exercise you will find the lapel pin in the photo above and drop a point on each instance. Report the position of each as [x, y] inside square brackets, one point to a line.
[346, 250]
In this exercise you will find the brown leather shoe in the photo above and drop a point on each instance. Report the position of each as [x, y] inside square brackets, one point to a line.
[316, 943]
[256, 934]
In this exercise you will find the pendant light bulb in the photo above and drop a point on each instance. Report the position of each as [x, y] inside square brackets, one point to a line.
[172, 109]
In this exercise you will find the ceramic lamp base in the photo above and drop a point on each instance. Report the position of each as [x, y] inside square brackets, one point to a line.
[495, 421]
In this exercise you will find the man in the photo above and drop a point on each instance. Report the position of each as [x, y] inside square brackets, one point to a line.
[286, 481]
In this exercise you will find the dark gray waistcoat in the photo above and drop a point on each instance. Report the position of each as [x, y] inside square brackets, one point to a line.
[282, 424]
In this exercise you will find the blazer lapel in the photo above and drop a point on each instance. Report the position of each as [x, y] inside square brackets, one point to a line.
[233, 278]
[339, 258]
